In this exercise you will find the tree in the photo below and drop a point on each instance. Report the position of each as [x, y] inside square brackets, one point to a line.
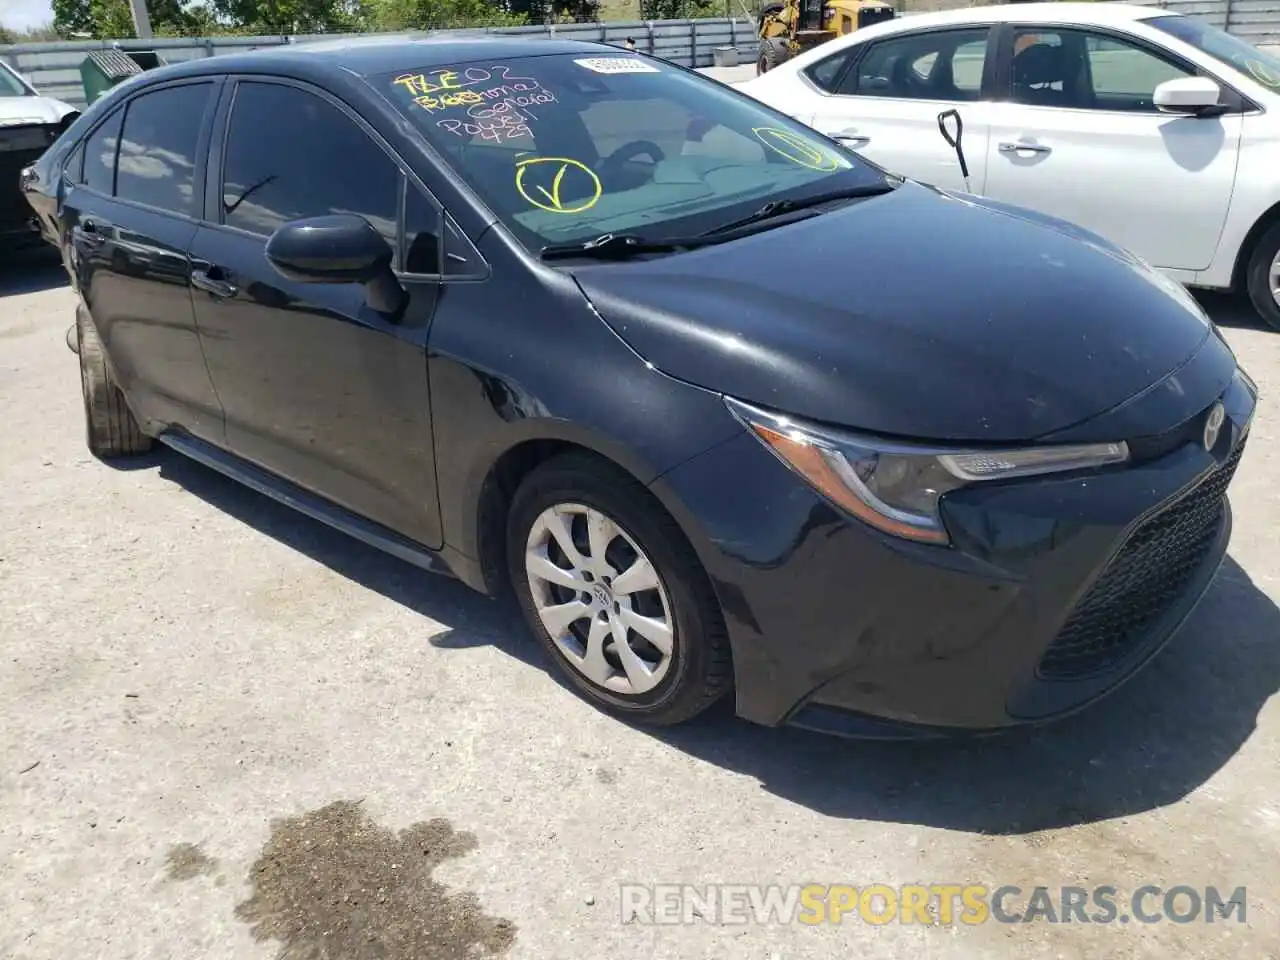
[673, 9]
[294, 16]
[442, 14]
[72, 16]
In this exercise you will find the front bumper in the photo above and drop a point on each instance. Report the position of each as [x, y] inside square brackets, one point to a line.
[1055, 590]
[20, 146]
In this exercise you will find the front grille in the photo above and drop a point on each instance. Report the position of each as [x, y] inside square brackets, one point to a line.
[1145, 577]
[14, 209]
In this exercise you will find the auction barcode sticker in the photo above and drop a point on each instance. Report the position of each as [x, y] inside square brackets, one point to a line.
[616, 65]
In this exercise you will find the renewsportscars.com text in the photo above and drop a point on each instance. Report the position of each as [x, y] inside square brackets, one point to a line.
[926, 904]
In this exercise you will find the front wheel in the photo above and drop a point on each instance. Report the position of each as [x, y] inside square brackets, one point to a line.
[771, 53]
[1263, 278]
[610, 586]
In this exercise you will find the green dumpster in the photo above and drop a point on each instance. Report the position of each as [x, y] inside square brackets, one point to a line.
[103, 69]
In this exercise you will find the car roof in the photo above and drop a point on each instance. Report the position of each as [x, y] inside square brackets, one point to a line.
[1078, 13]
[386, 53]
[1068, 12]
[1084, 13]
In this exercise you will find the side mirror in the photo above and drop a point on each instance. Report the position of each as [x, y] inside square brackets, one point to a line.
[343, 248]
[1194, 95]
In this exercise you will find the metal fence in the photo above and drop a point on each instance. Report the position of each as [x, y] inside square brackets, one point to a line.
[55, 67]
[1257, 21]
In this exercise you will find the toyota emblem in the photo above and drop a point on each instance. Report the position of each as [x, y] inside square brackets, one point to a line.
[1213, 424]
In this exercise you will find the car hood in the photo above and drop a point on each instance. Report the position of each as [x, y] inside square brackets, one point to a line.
[20, 110]
[917, 313]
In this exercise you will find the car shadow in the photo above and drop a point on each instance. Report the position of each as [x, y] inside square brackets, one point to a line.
[471, 619]
[1150, 744]
[1229, 309]
[31, 271]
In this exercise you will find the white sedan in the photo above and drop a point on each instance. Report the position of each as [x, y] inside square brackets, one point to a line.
[1155, 130]
[29, 122]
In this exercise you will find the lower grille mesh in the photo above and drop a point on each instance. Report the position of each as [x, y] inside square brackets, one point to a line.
[1142, 580]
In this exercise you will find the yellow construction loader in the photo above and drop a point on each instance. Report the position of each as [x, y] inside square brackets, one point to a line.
[788, 28]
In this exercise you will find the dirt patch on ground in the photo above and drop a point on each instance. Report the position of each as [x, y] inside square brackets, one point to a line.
[333, 884]
[186, 861]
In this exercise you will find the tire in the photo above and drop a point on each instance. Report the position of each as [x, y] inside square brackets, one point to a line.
[110, 428]
[1263, 277]
[698, 670]
[772, 52]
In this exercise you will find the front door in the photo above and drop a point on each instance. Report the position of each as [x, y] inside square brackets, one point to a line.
[132, 203]
[318, 387]
[886, 105]
[1080, 138]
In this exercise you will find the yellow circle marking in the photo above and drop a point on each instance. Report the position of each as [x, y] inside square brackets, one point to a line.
[550, 200]
[1263, 73]
[797, 149]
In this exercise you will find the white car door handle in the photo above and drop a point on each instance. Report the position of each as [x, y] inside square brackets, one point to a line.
[849, 136]
[1024, 148]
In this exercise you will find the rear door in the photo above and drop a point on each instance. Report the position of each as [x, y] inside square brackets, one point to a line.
[132, 208]
[1080, 138]
[318, 387]
[885, 103]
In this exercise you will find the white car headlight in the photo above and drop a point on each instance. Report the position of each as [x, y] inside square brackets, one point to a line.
[897, 487]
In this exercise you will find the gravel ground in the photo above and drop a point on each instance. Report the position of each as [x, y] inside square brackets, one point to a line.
[231, 733]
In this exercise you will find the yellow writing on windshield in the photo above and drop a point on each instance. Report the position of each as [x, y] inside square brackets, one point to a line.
[439, 81]
[799, 150]
[1263, 73]
[544, 181]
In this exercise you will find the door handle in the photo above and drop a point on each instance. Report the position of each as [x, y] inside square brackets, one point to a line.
[1025, 148]
[849, 136]
[87, 232]
[214, 286]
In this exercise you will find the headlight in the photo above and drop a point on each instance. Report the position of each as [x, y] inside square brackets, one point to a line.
[897, 487]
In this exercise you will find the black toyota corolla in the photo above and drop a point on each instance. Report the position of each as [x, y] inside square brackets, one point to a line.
[724, 406]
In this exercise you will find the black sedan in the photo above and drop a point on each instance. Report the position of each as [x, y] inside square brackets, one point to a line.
[723, 405]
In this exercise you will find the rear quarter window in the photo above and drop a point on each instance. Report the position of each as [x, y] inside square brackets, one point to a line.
[100, 155]
[825, 74]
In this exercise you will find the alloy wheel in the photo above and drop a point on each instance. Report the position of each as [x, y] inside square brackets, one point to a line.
[1273, 279]
[600, 599]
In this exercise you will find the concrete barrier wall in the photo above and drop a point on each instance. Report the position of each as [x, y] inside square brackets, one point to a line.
[55, 67]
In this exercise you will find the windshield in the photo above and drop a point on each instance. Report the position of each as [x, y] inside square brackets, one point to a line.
[11, 86]
[564, 148]
[1260, 67]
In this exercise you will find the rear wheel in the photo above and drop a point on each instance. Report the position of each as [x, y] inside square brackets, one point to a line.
[772, 52]
[1263, 278]
[612, 589]
[110, 428]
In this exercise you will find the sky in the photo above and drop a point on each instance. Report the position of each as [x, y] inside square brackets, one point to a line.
[23, 14]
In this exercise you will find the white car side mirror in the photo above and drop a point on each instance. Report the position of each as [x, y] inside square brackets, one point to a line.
[1192, 95]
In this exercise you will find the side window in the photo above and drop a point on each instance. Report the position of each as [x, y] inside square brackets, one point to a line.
[158, 147]
[1124, 76]
[1083, 71]
[966, 68]
[941, 65]
[73, 170]
[421, 234]
[826, 72]
[291, 154]
[100, 155]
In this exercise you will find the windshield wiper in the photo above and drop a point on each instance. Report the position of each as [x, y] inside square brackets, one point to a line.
[615, 246]
[777, 208]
